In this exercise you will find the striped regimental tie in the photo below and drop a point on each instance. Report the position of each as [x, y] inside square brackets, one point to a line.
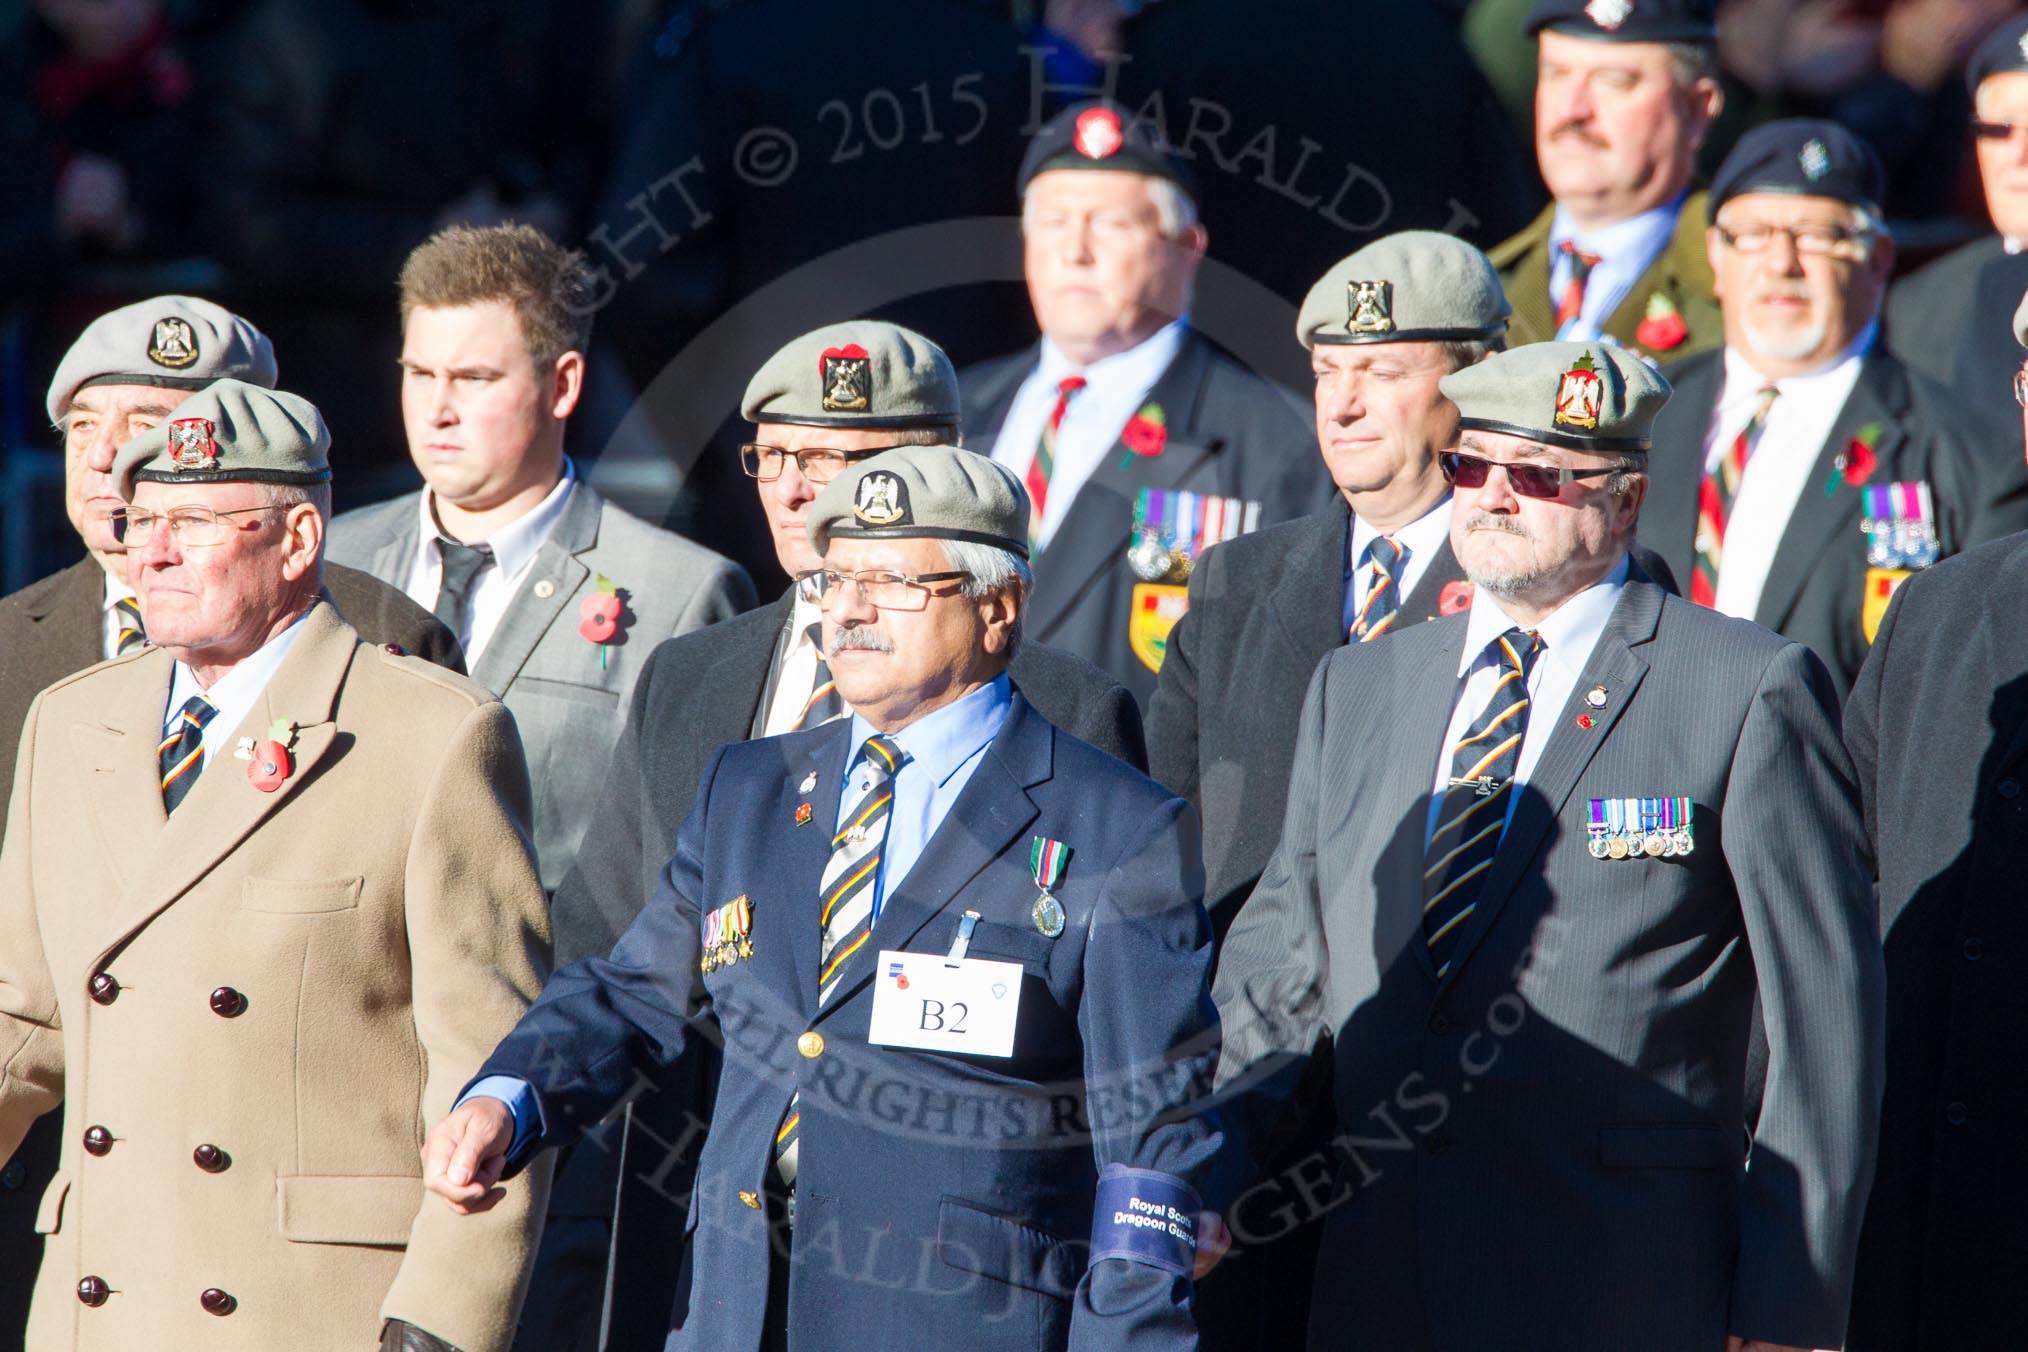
[846, 900]
[1570, 304]
[1715, 498]
[1474, 812]
[1384, 561]
[181, 754]
[824, 703]
[132, 632]
[1044, 463]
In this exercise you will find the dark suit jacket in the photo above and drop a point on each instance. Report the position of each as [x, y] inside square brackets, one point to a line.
[55, 628]
[1938, 729]
[1816, 587]
[1230, 433]
[699, 692]
[996, 1215]
[1953, 321]
[1553, 1127]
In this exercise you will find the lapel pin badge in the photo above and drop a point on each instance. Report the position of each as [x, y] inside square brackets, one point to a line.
[809, 782]
[243, 749]
[1584, 721]
[804, 812]
[1596, 697]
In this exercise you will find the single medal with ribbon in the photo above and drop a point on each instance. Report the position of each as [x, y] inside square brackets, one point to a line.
[1655, 837]
[1047, 859]
[1597, 830]
[1617, 846]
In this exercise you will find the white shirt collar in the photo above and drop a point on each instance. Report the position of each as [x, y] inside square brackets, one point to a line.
[515, 543]
[234, 693]
[116, 592]
[1568, 633]
[1138, 367]
[1421, 537]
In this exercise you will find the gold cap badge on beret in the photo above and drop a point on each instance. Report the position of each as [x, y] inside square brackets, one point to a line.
[847, 374]
[1369, 307]
[881, 499]
[173, 343]
[1579, 394]
[193, 443]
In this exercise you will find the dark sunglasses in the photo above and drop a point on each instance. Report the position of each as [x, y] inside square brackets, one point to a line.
[1530, 481]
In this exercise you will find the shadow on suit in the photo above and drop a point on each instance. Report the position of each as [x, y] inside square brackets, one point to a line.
[1477, 1175]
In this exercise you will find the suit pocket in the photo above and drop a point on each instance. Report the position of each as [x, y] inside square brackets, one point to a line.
[971, 1239]
[339, 1209]
[1688, 1145]
[49, 1214]
[570, 692]
[1011, 943]
[300, 896]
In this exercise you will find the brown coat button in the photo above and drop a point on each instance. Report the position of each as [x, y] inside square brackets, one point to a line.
[227, 1003]
[216, 1301]
[104, 989]
[211, 1159]
[93, 1291]
[97, 1140]
[393, 648]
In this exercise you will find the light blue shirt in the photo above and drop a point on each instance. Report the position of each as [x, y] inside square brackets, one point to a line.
[1625, 249]
[944, 748]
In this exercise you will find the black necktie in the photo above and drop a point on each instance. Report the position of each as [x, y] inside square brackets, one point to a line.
[461, 564]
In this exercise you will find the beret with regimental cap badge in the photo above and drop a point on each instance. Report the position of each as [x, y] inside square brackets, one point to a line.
[2005, 49]
[176, 342]
[1413, 286]
[941, 492]
[1585, 396]
[1804, 156]
[230, 432]
[1101, 135]
[862, 373]
[1626, 20]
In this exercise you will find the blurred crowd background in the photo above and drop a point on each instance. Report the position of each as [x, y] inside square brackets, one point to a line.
[743, 170]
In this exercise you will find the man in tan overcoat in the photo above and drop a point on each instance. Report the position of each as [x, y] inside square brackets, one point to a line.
[266, 902]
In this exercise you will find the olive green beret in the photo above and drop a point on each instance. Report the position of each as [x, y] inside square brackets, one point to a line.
[1413, 286]
[1587, 396]
[231, 432]
[941, 492]
[862, 373]
[176, 342]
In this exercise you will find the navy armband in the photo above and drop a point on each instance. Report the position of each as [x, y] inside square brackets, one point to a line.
[1147, 1216]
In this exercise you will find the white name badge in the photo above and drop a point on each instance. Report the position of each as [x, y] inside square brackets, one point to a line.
[942, 1004]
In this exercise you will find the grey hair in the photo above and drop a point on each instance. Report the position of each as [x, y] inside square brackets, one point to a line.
[1463, 352]
[1624, 470]
[289, 495]
[1175, 212]
[990, 569]
[1692, 61]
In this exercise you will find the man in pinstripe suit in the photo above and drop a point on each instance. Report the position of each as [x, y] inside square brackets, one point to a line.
[1529, 909]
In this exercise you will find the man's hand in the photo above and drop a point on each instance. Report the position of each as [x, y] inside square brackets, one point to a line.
[1213, 1239]
[465, 1153]
[1736, 1344]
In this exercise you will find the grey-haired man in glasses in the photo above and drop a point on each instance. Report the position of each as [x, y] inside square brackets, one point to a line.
[1805, 471]
[1538, 859]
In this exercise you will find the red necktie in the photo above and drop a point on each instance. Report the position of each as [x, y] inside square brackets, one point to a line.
[1044, 462]
[1714, 502]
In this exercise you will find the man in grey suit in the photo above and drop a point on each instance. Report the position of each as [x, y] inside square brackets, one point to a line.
[1538, 859]
[557, 595]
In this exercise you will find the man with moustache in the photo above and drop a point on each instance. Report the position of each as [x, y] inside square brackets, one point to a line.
[120, 378]
[1950, 320]
[1139, 443]
[1538, 859]
[876, 892]
[826, 401]
[1804, 472]
[1625, 92]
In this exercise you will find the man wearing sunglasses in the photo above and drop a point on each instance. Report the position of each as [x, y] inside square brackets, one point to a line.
[1804, 472]
[825, 402]
[956, 960]
[266, 898]
[1538, 858]
[1952, 319]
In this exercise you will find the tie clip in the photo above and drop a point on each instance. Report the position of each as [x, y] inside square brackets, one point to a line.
[1485, 786]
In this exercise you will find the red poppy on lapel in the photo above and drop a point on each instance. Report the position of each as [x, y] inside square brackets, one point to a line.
[1455, 596]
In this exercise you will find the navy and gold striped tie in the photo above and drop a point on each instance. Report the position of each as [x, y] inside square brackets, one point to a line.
[1474, 812]
[132, 632]
[845, 898]
[824, 703]
[181, 754]
[1384, 560]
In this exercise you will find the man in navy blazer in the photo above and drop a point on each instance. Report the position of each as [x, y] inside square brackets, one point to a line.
[870, 1176]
